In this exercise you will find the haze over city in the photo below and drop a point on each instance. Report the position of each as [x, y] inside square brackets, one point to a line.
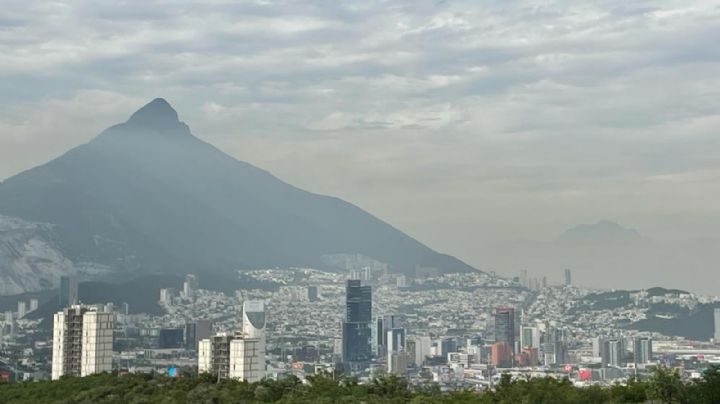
[472, 126]
[446, 201]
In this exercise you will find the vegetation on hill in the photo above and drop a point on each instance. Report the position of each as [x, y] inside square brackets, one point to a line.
[664, 386]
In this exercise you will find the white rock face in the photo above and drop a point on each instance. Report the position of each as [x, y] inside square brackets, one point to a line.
[29, 257]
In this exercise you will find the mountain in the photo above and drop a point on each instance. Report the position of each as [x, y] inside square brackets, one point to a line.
[606, 254]
[602, 232]
[146, 196]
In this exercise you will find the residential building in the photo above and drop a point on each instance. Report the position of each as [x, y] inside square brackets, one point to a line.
[82, 341]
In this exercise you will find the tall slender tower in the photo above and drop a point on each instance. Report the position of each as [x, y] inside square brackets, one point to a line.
[82, 341]
[240, 355]
[505, 326]
[357, 330]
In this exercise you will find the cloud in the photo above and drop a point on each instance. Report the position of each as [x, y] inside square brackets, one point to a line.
[460, 121]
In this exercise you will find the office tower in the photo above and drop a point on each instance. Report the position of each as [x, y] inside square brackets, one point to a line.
[8, 316]
[501, 355]
[250, 353]
[717, 324]
[397, 362]
[195, 332]
[166, 296]
[568, 277]
[82, 341]
[598, 347]
[555, 347]
[530, 337]
[401, 281]
[382, 326]
[125, 308]
[411, 347]
[524, 278]
[68, 291]
[642, 350]
[169, 338]
[357, 333]
[22, 309]
[614, 353]
[446, 346]
[395, 339]
[190, 285]
[234, 356]
[33, 304]
[505, 326]
[312, 293]
[423, 344]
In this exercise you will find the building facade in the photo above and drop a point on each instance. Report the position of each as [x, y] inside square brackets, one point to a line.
[82, 341]
[240, 355]
[642, 350]
[505, 326]
[357, 330]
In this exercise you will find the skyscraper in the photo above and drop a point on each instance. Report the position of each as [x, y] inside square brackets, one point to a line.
[505, 326]
[383, 325]
[530, 337]
[22, 309]
[614, 353]
[642, 350]
[82, 341]
[240, 355]
[312, 293]
[357, 332]
[717, 324]
[68, 291]
[568, 277]
[254, 324]
[195, 332]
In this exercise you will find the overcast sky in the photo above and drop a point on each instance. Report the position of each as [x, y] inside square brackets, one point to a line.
[463, 123]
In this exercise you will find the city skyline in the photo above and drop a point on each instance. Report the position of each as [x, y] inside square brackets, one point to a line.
[522, 121]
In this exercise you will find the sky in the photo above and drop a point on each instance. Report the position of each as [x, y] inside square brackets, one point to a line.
[466, 124]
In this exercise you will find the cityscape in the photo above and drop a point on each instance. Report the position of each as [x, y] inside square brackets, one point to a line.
[379, 202]
[460, 331]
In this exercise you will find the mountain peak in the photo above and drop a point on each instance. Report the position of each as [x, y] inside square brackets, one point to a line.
[602, 231]
[157, 114]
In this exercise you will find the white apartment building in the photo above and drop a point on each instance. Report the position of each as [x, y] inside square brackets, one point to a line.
[82, 341]
[241, 355]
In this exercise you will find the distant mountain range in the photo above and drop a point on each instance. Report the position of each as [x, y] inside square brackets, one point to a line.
[608, 255]
[146, 196]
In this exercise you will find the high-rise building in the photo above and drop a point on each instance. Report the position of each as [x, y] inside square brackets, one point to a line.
[501, 354]
[357, 332]
[195, 332]
[382, 326]
[166, 296]
[312, 293]
[33, 304]
[530, 337]
[505, 326]
[397, 362]
[613, 353]
[254, 328]
[568, 277]
[395, 339]
[190, 285]
[68, 291]
[169, 338]
[642, 350]
[717, 324]
[241, 355]
[419, 348]
[22, 309]
[82, 341]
